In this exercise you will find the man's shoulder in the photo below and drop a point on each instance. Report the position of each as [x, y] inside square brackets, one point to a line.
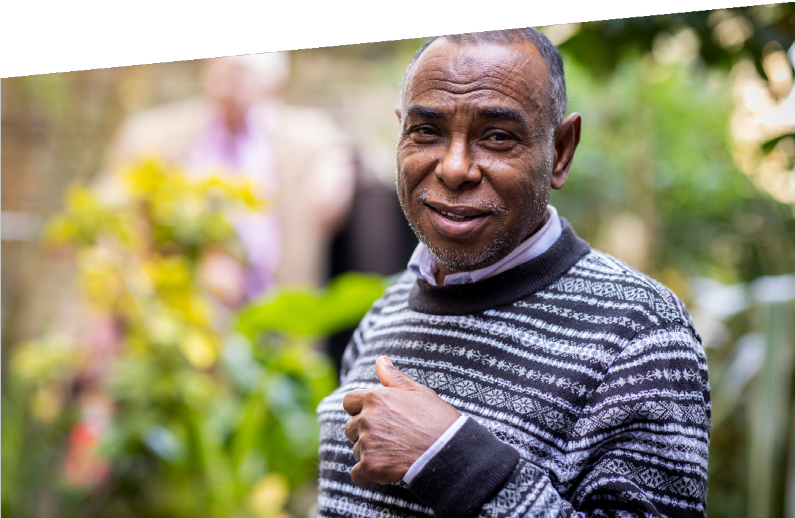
[599, 278]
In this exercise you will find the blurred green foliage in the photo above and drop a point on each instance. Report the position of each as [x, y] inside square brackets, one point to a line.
[724, 35]
[186, 417]
[655, 145]
[314, 312]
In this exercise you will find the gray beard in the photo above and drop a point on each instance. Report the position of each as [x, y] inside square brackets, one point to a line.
[457, 261]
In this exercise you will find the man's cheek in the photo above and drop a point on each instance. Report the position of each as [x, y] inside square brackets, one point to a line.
[403, 194]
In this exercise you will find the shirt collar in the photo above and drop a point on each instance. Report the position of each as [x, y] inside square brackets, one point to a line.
[424, 265]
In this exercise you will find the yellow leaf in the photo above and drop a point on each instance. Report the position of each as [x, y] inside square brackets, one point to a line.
[59, 230]
[198, 349]
[45, 405]
[269, 496]
[163, 328]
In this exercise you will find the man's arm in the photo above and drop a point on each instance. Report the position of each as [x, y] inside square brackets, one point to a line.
[644, 436]
[641, 440]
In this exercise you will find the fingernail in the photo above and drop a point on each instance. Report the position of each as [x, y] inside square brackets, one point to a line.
[386, 360]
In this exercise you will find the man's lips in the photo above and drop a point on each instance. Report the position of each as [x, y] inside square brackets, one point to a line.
[456, 211]
[456, 221]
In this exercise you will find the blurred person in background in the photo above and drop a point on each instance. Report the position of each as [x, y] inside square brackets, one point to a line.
[300, 164]
[299, 160]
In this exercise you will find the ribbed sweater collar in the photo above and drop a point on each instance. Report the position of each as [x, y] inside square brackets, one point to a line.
[505, 288]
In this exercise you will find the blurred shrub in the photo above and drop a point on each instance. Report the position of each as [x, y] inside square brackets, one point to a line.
[158, 408]
[654, 181]
[306, 312]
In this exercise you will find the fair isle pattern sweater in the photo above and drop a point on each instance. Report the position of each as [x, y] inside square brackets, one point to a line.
[584, 381]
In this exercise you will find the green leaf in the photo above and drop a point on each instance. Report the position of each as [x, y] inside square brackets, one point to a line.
[314, 312]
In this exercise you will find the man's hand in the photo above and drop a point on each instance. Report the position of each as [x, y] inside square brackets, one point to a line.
[393, 425]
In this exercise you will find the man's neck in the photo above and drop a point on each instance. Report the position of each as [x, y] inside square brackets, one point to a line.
[444, 271]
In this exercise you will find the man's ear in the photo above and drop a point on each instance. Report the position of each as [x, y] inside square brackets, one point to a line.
[567, 136]
[398, 111]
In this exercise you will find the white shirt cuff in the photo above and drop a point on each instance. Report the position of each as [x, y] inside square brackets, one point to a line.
[435, 448]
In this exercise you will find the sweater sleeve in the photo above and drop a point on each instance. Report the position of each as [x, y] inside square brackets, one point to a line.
[639, 447]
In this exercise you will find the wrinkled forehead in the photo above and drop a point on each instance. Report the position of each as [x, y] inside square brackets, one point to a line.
[515, 70]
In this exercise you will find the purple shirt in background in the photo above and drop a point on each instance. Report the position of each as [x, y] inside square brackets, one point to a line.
[247, 153]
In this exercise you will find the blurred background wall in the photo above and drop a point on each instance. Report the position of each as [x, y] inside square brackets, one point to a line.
[686, 171]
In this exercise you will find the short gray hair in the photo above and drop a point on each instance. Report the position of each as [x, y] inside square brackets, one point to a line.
[557, 81]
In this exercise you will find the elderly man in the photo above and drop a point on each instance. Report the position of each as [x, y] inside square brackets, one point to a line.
[512, 370]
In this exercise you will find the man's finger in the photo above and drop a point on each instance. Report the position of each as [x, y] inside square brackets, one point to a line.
[352, 429]
[389, 376]
[360, 476]
[353, 401]
[358, 451]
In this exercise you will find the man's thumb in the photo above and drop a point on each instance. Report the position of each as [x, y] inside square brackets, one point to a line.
[389, 376]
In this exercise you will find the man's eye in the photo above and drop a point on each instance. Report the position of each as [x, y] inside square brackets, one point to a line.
[423, 133]
[499, 137]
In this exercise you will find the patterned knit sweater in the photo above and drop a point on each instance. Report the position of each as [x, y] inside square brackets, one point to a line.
[584, 381]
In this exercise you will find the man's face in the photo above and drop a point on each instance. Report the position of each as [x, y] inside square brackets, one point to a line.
[475, 153]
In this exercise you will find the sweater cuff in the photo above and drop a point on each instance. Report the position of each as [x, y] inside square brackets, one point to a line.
[466, 473]
[435, 448]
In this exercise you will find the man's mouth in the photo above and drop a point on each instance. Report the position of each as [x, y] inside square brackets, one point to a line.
[456, 221]
[455, 217]
[457, 212]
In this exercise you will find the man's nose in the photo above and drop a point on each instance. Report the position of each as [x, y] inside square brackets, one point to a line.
[458, 167]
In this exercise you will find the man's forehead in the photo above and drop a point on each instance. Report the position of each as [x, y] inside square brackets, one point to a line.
[517, 69]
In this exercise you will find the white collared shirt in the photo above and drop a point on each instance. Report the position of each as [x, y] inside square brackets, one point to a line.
[424, 265]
